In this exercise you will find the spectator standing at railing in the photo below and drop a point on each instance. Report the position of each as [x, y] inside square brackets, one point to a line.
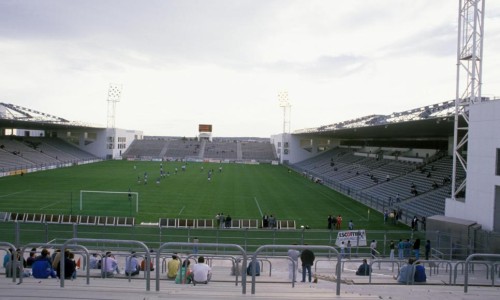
[294, 255]
[407, 248]
[227, 221]
[195, 245]
[330, 221]
[401, 247]
[392, 246]
[339, 222]
[307, 258]
[265, 220]
[217, 219]
[373, 248]
[427, 249]
[272, 221]
[342, 250]
[416, 249]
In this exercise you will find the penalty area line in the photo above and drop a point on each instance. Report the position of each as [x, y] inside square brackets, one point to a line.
[47, 206]
[258, 206]
[15, 193]
[182, 209]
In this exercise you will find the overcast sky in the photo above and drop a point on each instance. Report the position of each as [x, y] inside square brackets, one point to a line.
[223, 62]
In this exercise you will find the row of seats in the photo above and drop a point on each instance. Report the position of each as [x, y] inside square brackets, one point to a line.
[66, 219]
[210, 223]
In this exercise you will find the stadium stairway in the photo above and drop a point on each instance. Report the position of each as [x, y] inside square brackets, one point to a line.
[202, 149]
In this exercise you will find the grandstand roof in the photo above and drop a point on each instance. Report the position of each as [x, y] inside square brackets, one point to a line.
[15, 116]
[431, 121]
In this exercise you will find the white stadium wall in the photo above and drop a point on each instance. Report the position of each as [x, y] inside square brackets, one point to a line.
[290, 148]
[482, 202]
[102, 142]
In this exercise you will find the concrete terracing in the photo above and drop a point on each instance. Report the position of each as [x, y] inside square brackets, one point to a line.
[276, 286]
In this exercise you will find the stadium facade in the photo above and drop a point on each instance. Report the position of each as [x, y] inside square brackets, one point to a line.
[102, 142]
[416, 136]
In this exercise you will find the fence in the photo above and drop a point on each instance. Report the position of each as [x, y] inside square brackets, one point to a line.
[19, 233]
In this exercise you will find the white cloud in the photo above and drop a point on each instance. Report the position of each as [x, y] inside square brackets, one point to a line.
[223, 62]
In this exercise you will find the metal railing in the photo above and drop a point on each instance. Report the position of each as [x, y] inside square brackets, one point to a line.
[310, 247]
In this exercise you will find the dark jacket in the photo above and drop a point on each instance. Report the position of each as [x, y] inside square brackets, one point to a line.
[307, 257]
[363, 270]
[69, 268]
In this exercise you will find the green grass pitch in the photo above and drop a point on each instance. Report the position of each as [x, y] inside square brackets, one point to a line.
[242, 191]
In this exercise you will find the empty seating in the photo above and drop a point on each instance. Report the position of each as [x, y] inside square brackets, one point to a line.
[249, 223]
[67, 219]
[53, 219]
[35, 218]
[87, 220]
[20, 217]
[205, 223]
[169, 223]
[4, 216]
[286, 224]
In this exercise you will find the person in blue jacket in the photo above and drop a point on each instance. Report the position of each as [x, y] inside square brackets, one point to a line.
[42, 267]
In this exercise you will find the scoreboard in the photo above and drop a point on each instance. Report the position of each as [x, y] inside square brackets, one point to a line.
[204, 128]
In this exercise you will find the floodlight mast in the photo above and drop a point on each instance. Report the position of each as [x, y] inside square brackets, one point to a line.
[283, 102]
[468, 91]
[114, 95]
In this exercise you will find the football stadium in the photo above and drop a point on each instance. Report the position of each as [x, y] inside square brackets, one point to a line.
[377, 199]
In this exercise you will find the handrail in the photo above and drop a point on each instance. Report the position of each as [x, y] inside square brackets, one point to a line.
[209, 258]
[141, 244]
[310, 247]
[215, 245]
[383, 261]
[31, 245]
[463, 264]
[12, 265]
[469, 259]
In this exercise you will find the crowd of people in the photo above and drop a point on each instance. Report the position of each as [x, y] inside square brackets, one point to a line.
[39, 266]
[181, 271]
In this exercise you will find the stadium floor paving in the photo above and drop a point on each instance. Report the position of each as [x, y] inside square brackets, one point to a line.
[383, 286]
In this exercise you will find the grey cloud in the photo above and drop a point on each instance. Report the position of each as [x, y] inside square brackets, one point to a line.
[322, 67]
[439, 41]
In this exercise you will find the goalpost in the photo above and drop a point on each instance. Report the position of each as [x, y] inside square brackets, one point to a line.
[130, 195]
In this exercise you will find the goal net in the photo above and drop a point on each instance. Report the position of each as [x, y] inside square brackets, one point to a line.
[109, 202]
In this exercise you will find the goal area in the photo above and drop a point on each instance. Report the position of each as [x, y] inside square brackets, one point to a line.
[109, 201]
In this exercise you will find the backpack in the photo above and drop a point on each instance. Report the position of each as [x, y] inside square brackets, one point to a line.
[257, 269]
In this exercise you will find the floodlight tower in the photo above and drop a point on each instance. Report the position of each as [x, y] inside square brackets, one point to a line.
[283, 102]
[468, 85]
[114, 95]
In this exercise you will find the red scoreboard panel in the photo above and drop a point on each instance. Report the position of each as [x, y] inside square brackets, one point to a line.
[204, 128]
